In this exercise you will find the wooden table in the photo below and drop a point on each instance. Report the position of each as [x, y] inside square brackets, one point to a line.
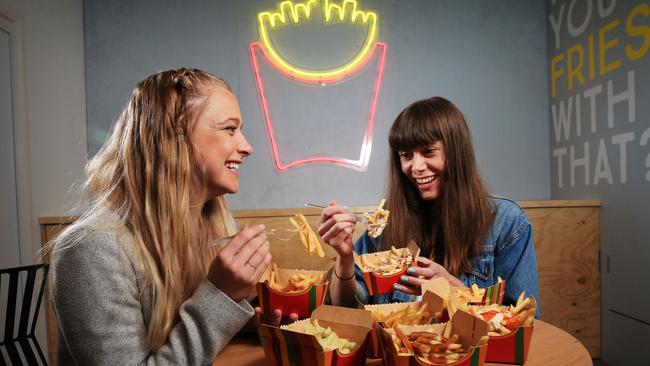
[549, 346]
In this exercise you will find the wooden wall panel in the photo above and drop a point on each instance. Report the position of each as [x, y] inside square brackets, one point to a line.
[567, 248]
[566, 243]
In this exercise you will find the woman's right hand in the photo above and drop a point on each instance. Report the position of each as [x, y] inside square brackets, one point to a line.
[336, 227]
[240, 264]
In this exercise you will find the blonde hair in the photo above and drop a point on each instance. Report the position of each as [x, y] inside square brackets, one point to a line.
[147, 175]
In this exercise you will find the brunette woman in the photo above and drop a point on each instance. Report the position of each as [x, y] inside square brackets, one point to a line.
[437, 198]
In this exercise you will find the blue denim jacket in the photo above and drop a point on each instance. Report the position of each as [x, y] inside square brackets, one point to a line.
[507, 252]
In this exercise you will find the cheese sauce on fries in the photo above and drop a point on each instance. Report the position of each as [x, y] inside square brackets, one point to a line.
[378, 220]
[429, 347]
[328, 338]
[503, 320]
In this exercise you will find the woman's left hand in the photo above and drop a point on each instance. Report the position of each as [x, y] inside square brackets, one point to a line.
[427, 269]
[274, 319]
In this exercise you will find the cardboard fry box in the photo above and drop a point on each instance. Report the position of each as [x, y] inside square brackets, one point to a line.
[301, 303]
[469, 329]
[510, 348]
[287, 345]
[492, 295]
[435, 305]
[381, 284]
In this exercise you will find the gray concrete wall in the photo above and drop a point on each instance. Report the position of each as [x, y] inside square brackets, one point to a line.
[489, 57]
[600, 148]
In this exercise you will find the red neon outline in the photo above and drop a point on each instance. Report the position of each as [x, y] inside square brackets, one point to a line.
[364, 156]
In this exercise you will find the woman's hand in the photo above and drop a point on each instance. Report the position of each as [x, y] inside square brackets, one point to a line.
[336, 227]
[427, 269]
[274, 319]
[240, 264]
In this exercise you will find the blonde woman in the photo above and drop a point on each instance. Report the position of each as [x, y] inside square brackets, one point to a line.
[136, 279]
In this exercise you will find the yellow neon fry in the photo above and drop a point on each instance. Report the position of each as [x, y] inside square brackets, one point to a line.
[303, 11]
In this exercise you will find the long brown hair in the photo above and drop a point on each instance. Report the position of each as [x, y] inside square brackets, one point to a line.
[452, 228]
[147, 175]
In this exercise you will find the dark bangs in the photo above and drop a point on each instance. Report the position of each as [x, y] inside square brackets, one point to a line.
[415, 126]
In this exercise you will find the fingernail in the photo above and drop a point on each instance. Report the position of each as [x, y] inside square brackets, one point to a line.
[397, 287]
[404, 279]
[410, 270]
[261, 226]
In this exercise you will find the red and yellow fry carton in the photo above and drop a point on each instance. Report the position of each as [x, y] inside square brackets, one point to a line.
[381, 270]
[474, 295]
[410, 313]
[290, 345]
[510, 330]
[510, 348]
[278, 290]
[471, 335]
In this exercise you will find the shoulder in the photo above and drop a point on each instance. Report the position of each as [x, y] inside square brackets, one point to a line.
[510, 221]
[507, 210]
[92, 241]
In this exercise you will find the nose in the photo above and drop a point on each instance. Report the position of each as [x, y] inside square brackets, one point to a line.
[243, 147]
[419, 164]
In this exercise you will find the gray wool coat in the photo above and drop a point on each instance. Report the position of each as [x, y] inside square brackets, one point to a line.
[102, 320]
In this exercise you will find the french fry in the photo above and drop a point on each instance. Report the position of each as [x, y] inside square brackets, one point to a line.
[307, 236]
[428, 347]
[295, 283]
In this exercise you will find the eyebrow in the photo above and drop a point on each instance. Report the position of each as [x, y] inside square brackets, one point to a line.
[233, 119]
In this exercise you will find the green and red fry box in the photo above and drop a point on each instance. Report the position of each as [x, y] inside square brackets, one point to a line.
[287, 345]
[510, 348]
[469, 329]
[494, 294]
[301, 303]
[435, 305]
[381, 284]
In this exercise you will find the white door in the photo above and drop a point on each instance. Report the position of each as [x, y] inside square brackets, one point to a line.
[9, 232]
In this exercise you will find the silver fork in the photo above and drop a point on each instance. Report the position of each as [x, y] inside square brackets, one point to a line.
[280, 234]
[360, 219]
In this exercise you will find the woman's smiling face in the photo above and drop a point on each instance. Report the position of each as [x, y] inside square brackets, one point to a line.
[221, 146]
[425, 168]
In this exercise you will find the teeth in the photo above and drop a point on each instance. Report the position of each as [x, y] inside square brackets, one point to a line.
[232, 166]
[424, 180]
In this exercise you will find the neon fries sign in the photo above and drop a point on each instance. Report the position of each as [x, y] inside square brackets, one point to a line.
[346, 12]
